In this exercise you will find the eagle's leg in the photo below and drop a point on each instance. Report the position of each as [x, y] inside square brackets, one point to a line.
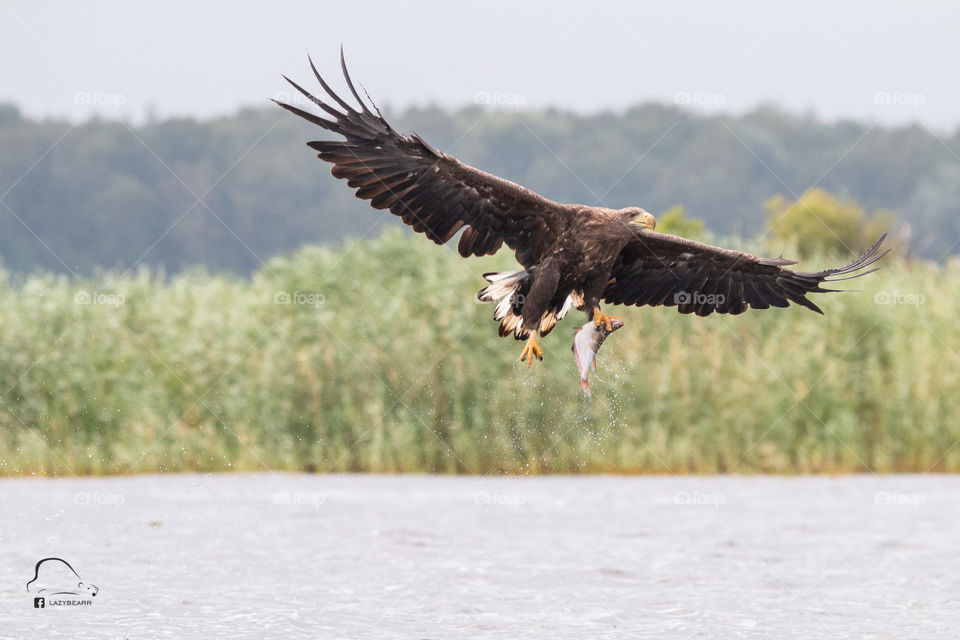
[600, 318]
[531, 350]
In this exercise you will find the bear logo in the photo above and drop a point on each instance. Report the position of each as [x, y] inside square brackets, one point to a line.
[59, 578]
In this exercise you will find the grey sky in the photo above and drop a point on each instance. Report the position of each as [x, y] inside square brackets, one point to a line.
[866, 60]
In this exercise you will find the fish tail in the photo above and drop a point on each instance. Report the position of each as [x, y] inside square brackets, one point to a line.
[585, 387]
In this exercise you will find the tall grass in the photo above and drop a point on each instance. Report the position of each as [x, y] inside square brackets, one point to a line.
[382, 360]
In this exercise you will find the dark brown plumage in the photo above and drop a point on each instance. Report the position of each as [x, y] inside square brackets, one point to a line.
[659, 269]
[572, 255]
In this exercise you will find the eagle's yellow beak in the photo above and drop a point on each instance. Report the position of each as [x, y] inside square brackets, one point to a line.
[645, 220]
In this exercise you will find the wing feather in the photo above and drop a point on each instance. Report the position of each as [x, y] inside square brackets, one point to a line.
[659, 269]
[433, 192]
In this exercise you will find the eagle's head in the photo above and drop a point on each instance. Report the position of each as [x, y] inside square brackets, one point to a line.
[641, 217]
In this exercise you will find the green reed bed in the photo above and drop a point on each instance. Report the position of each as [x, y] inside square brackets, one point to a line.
[375, 356]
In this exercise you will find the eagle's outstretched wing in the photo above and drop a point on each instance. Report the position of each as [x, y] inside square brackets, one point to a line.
[434, 193]
[660, 269]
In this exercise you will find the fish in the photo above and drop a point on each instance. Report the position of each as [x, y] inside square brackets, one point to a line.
[586, 343]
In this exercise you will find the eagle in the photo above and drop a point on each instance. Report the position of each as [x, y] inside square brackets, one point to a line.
[572, 255]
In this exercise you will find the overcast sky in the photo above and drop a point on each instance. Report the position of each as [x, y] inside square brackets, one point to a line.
[872, 61]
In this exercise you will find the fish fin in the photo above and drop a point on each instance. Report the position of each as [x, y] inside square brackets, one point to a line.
[585, 387]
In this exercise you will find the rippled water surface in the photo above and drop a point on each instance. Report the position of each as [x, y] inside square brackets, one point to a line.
[337, 556]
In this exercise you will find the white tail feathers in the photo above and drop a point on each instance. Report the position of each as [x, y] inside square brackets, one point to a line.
[502, 284]
[510, 288]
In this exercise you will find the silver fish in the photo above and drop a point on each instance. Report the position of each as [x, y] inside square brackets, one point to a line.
[586, 343]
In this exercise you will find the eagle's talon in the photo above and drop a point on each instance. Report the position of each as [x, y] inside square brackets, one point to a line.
[600, 318]
[531, 350]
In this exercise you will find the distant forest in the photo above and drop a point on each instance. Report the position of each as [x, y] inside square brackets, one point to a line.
[230, 192]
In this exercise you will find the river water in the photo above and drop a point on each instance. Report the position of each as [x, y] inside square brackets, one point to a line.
[371, 556]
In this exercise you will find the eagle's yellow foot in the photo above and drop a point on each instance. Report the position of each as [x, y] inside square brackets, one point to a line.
[531, 350]
[600, 318]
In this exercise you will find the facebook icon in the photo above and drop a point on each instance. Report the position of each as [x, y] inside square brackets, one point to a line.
[39, 603]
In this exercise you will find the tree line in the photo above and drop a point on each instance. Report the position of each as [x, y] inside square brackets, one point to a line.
[229, 193]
